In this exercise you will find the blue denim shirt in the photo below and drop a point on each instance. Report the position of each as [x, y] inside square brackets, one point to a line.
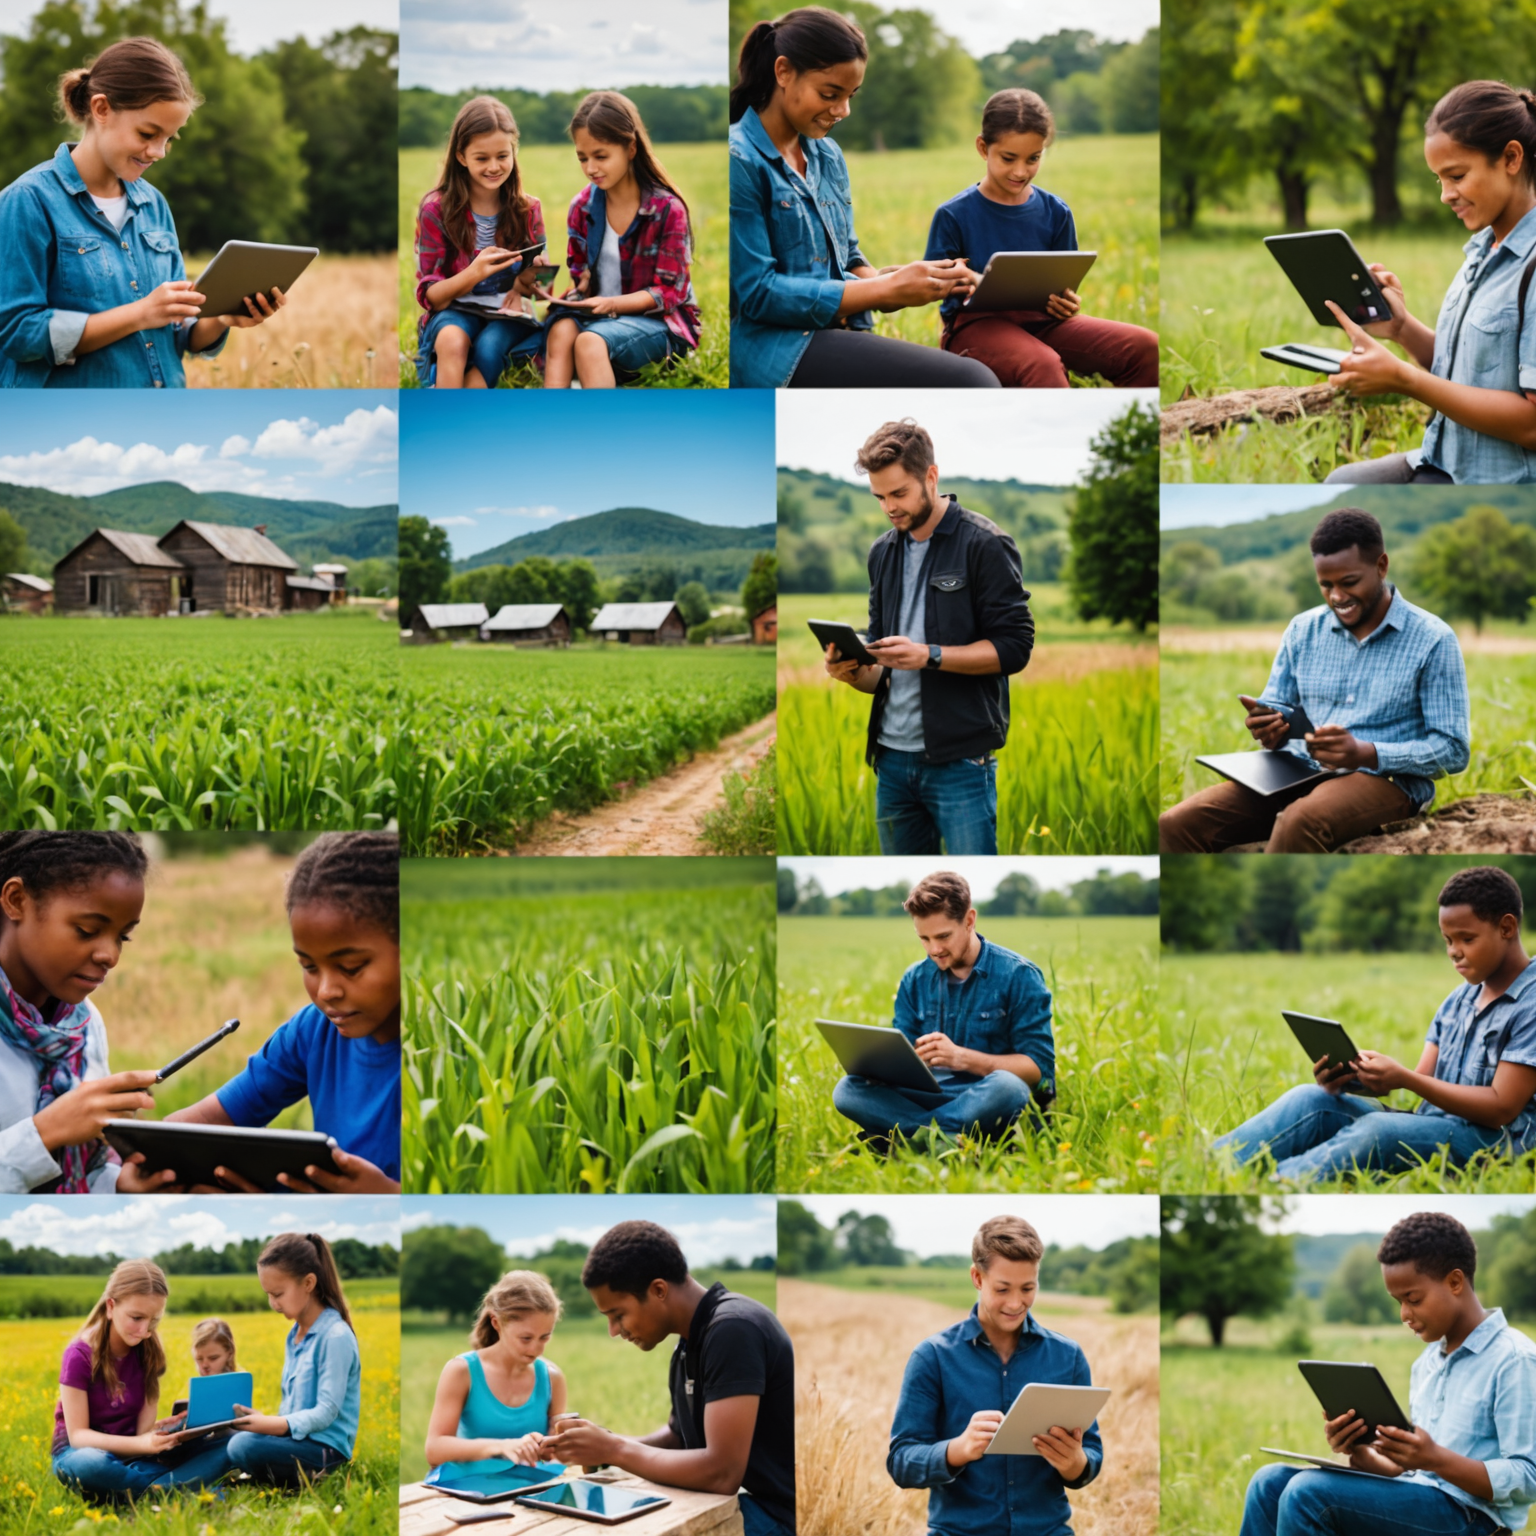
[793, 249]
[953, 1376]
[1488, 355]
[1003, 1008]
[64, 262]
[323, 1383]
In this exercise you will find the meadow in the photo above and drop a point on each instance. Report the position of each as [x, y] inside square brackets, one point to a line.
[1226, 1053]
[493, 738]
[356, 1500]
[550, 173]
[335, 332]
[1109, 180]
[611, 1383]
[1201, 713]
[615, 1035]
[198, 724]
[1102, 973]
[851, 1347]
[1079, 771]
[198, 1295]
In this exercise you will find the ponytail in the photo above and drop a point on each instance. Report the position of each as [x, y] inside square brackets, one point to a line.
[1487, 115]
[811, 37]
[517, 1294]
[132, 74]
[299, 1254]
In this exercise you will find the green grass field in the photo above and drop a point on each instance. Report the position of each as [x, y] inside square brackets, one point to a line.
[1102, 973]
[493, 738]
[551, 174]
[199, 1294]
[149, 724]
[1110, 182]
[1226, 1053]
[1201, 714]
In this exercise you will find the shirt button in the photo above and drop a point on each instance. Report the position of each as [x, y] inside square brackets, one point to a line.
[125, 245]
[132, 284]
[159, 385]
[82, 250]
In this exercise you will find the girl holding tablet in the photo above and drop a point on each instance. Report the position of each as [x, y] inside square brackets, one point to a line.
[94, 293]
[802, 292]
[1006, 211]
[1477, 367]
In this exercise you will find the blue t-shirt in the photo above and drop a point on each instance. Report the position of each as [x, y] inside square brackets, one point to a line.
[976, 228]
[353, 1086]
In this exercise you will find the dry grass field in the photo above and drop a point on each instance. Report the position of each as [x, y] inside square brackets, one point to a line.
[337, 331]
[851, 1348]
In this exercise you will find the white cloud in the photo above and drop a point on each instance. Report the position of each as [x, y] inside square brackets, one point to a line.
[704, 1242]
[544, 514]
[235, 447]
[454, 522]
[362, 437]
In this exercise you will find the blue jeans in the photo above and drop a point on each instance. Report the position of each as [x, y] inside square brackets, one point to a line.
[93, 1472]
[493, 344]
[281, 1459]
[755, 1521]
[1313, 1134]
[993, 1102]
[632, 340]
[935, 807]
[1310, 1501]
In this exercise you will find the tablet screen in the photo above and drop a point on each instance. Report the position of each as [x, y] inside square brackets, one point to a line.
[454, 1477]
[594, 1499]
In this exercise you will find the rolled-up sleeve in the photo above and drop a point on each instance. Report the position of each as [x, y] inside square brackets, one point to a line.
[27, 334]
[1512, 1472]
[672, 286]
[333, 1365]
[1446, 746]
[916, 1458]
[762, 292]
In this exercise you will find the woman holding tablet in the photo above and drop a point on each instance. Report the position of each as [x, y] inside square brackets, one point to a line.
[94, 293]
[1477, 366]
[802, 292]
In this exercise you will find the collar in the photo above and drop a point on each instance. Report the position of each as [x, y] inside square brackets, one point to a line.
[971, 1331]
[74, 183]
[329, 1318]
[1393, 618]
[945, 526]
[1483, 1335]
[752, 126]
[1519, 240]
[651, 203]
[979, 969]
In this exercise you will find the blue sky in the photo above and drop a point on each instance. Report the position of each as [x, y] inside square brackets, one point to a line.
[489, 466]
[709, 1227]
[1219, 506]
[317, 445]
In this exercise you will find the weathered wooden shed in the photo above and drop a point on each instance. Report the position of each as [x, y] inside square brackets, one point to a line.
[431, 622]
[112, 572]
[26, 594]
[529, 624]
[230, 568]
[336, 575]
[765, 625]
[305, 594]
[640, 624]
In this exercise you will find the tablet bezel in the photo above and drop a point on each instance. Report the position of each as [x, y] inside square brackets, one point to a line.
[243, 251]
[167, 1144]
[1319, 240]
[530, 1498]
[1309, 1020]
[1073, 1388]
[862, 655]
[989, 295]
[1338, 1401]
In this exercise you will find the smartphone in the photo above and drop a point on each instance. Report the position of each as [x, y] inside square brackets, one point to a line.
[546, 272]
[1295, 717]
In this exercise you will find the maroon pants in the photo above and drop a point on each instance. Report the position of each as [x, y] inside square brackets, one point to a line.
[1029, 350]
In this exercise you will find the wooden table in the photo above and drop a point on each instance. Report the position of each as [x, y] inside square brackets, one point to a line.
[424, 1512]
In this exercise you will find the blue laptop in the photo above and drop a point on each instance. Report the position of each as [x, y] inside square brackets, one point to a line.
[211, 1401]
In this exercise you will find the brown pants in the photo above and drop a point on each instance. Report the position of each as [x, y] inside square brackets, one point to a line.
[1314, 819]
[1029, 350]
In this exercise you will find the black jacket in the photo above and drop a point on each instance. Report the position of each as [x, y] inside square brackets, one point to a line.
[975, 592]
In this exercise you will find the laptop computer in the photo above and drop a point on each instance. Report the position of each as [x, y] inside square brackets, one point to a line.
[1041, 1406]
[211, 1402]
[879, 1052]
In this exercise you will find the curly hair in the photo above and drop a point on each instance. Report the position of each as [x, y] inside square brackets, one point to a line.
[627, 1257]
[897, 442]
[942, 891]
[46, 862]
[356, 871]
[1347, 527]
[1489, 891]
[1433, 1243]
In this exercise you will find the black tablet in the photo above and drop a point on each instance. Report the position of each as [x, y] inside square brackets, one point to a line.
[849, 642]
[1324, 264]
[500, 282]
[194, 1151]
[244, 268]
[604, 1503]
[1341, 1385]
[1296, 354]
[1321, 1037]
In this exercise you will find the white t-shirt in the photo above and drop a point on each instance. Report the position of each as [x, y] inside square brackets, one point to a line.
[609, 278]
[115, 208]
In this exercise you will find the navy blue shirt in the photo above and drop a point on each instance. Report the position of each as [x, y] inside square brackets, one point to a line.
[950, 1378]
[976, 228]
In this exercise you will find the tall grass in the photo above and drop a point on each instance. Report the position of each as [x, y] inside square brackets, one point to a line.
[1102, 973]
[590, 1043]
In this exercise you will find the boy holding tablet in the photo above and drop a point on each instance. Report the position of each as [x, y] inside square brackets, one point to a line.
[1468, 1465]
[1476, 1077]
[958, 1386]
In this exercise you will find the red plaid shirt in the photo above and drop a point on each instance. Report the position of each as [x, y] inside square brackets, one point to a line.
[653, 255]
[438, 257]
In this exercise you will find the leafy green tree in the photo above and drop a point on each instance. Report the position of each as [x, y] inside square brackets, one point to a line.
[1133, 1286]
[577, 589]
[13, 544]
[1507, 1275]
[761, 588]
[791, 510]
[1479, 567]
[808, 565]
[1218, 1262]
[1355, 1294]
[786, 889]
[1375, 906]
[1016, 896]
[1077, 103]
[1112, 571]
[1204, 150]
[692, 602]
[449, 1269]
[1202, 901]
[374, 577]
[1130, 90]
[805, 1246]
[425, 564]
[867, 1240]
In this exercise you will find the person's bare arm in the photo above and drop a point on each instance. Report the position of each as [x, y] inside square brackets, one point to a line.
[1493, 1107]
[1412, 1450]
[716, 1468]
[976, 659]
[940, 1051]
[207, 1111]
[77, 1426]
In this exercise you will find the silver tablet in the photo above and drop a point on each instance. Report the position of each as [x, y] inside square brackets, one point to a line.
[1026, 279]
[1042, 1406]
[878, 1052]
[243, 268]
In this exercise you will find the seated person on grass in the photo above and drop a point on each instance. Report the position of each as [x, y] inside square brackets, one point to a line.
[978, 1014]
[959, 1386]
[1386, 685]
[1476, 1078]
[1468, 1465]
[731, 1379]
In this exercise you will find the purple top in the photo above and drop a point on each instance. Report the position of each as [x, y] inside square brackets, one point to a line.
[109, 1416]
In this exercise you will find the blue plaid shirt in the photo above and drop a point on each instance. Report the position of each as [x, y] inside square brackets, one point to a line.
[1480, 1401]
[1403, 689]
[1472, 1044]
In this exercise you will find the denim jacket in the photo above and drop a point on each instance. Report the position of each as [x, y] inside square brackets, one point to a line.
[793, 249]
[64, 262]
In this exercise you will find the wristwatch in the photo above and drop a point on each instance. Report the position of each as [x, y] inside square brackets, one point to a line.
[935, 658]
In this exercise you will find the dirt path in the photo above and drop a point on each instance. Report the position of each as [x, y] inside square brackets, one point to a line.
[661, 817]
[1480, 824]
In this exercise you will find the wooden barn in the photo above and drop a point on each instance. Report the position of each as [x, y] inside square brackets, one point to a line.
[111, 572]
[529, 624]
[765, 625]
[336, 575]
[230, 568]
[431, 622]
[20, 593]
[640, 624]
[306, 594]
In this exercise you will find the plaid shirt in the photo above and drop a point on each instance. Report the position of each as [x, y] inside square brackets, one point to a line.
[1472, 1044]
[1480, 1401]
[653, 254]
[1403, 689]
[438, 257]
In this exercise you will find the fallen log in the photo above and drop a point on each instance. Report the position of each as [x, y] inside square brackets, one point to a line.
[1277, 402]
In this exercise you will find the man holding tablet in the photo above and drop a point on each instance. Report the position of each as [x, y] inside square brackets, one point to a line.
[1367, 657]
[959, 1385]
[949, 624]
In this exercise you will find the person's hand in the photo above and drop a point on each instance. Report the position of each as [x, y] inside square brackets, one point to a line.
[527, 280]
[939, 1050]
[229, 1181]
[254, 1423]
[925, 282]
[524, 1451]
[490, 261]
[1331, 1079]
[152, 1443]
[169, 304]
[899, 653]
[1346, 1436]
[79, 1115]
[603, 304]
[579, 1441]
[1334, 747]
[259, 308]
[1409, 1450]
[131, 1181]
[1392, 291]
[1267, 726]
[1063, 305]
[837, 668]
[357, 1177]
[1063, 1448]
[1380, 1074]
[171, 1425]
[1368, 369]
[972, 1442]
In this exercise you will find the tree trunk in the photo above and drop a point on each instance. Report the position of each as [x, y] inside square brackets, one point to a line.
[1218, 1326]
[1386, 207]
[1187, 202]
[1294, 188]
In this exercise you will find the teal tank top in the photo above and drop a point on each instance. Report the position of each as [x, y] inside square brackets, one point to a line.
[486, 1417]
